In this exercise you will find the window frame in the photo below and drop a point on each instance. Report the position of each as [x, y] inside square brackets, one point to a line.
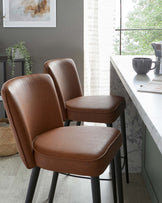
[120, 29]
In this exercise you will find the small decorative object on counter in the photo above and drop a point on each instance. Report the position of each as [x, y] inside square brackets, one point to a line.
[158, 53]
[142, 65]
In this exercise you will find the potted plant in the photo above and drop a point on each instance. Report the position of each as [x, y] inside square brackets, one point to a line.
[19, 51]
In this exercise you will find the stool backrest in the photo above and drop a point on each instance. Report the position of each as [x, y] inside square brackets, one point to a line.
[32, 108]
[66, 79]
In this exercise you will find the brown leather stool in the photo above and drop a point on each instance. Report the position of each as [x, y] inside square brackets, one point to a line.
[35, 116]
[76, 107]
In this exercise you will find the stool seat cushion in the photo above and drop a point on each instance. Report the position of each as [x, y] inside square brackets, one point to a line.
[78, 150]
[102, 109]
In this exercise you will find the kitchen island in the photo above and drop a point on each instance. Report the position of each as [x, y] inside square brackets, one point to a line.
[143, 122]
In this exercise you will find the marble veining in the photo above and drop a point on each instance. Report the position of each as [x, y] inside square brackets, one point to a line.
[133, 121]
[148, 105]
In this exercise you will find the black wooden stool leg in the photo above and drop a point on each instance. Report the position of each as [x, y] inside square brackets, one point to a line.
[109, 125]
[113, 174]
[123, 132]
[67, 123]
[95, 184]
[32, 184]
[112, 165]
[118, 173]
[78, 123]
[53, 187]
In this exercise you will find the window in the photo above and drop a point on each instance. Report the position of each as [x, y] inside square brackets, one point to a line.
[138, 24]
[98, 45]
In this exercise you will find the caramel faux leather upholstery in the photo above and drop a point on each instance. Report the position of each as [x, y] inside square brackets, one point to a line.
[63, 71]
[32, 108]
[35, 116]
[75, 106]
[34, 113]
[77, 150]
[101, 109]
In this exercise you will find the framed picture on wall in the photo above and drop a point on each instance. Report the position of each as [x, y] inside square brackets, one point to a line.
[33, 13]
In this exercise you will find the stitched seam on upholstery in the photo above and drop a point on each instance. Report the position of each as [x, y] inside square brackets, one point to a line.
[81, 111]
[115, 109]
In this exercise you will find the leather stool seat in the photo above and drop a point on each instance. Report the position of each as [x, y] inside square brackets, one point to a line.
[77, 150]
[34, 113]
[101, 109]
[77, 107]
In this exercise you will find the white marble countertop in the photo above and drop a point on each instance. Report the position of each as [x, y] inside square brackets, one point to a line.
[149, 105]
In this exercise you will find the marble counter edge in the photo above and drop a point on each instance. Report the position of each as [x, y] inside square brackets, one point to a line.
[152, 129]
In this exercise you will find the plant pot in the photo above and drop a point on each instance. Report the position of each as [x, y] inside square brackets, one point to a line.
[18, 54]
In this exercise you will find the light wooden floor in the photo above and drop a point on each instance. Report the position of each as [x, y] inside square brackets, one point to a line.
[14, 179]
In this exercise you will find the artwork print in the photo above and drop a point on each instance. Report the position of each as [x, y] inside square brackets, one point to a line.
[31, 13]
